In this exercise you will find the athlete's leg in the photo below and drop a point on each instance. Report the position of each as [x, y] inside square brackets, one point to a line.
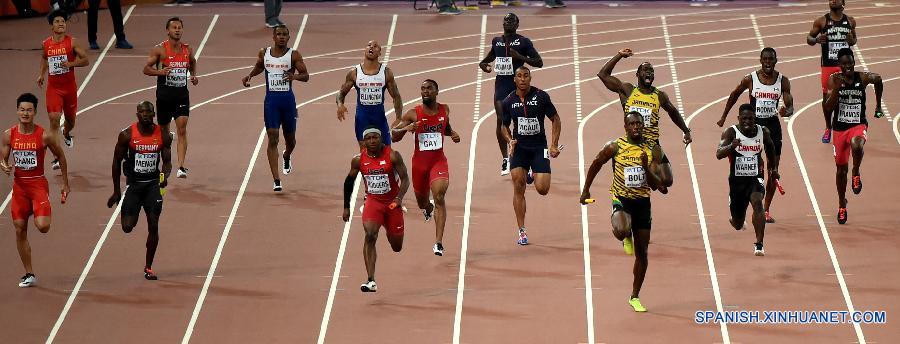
[501, 140]
[272, 152]
[42, 223]
[841, 183]
[857, 143]
[393, 228]
[290, 142]
[22, 243]
[759, 216]
[439, 189]
[621, 224]
[369, 253]
[737, 204]
[641, 244]
[518, 179]
[542, 183]
[770, 192]
[181, 124]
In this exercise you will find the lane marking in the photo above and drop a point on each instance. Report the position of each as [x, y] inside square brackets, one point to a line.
[478, 77]
[884, 107]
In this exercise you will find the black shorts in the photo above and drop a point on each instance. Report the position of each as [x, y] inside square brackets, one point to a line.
[536, 159]
[170, 106]
[142, 195]
[740, 189]
[774, 126]
[637, 208]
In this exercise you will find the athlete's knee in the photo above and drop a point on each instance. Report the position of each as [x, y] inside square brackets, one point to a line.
[21, 233]
[842, 169]
[42, 227]
[371, 235]
[543, 190]
[439, 199]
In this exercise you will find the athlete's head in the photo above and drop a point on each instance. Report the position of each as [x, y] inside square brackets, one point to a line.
[373, 50]
[174, 26]
[57, 20]
[634, 125]
[510, 23]
[280, 35]
[846, 61]
[746, 117]
[767, 60]
[836, 5]
[145, 112]
[645, 74]
[372, 139]
[523, 78]
[429, 92]
[25, 107]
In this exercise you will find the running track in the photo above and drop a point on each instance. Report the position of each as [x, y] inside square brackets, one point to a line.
[240, 264]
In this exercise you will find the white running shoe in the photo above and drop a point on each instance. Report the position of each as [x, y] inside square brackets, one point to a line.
[29, 280]
[55, 164]
[369, 287]
[181, 173]
[758, 250]
[428, 214]
[69, 141]
[286, 165]
[504, 167]
[438, 249]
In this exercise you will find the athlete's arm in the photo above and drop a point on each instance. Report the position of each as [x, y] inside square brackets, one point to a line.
[44, 69]
[406, 123]
[788, 109]
[53, 144]
[81, 57]
[257, 68]
[771, 157]
[667, 105]
[507, 120]
[851, 38]
[4, 152]
[192, 68]
[835, 83]
[118, 155]
[613, 83]
[394, 91]
[745, 84]
[299, 67]
[875, 78]
[531, 57]
[815, 34]
[400, 169]
[166, 155]
[485, 64]
[727, 144]
[651, 166]
[153, 61]
[448, 131]
[605, 154]
[349, 182]
[349, 81]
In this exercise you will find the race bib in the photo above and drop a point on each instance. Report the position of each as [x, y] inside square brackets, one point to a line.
[25, 159]
[766, 108]
[834, 47]
[145, 162]
[430, 141]
[503, 66]
[277, 83]
[849, 113]
[177, 77]
[371, 96]
[635, 176]
[645, 113]
[377, 184]
[57, 64]
[528, 126]
[746, 166]
[546, 153]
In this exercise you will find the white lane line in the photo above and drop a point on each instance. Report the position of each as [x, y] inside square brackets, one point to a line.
[585, 233]
[342, 249]
[756, 31]
[479, 76]
[109, 44]
[884, 107]
[690, 157]
[230, 222]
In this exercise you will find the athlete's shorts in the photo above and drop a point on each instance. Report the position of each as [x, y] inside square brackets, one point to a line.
[826, 74]
[365, 120]
[740, 189]
[63, 100]
[840, 140]
[172, 106]
[536, 159]
[774, 126]
[503, 88]
[379, 212]
[425, 170]
[637, 208]
[142, 195]
[280, 112]
[30, 196]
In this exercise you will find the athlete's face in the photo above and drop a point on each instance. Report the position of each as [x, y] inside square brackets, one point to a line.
[59, 25]
[373, 50]
[847, 63]
[429, 93]
[523, 79]
[372, 141]
[25, 111]
[746, 120]
[145, 113]
[836, 4]
[175, 27]
[281, 36]
[768, 60]
[634, 126]
[510, 23]
[645, 75]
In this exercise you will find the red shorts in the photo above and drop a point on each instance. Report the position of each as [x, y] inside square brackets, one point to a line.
[379, 212]
[425, 170]
[30, 196]
[63, 100]
[826, 74]
[841, 142]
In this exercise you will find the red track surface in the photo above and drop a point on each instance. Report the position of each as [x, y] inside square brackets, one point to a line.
[275, 254]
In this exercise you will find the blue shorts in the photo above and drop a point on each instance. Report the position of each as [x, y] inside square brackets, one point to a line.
[530, 158]
[280, 112]
[366, 119]
[503, 88]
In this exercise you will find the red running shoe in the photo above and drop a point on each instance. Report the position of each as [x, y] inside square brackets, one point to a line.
[842, 215]
[149, 275]
[769, 218]
[857, 185]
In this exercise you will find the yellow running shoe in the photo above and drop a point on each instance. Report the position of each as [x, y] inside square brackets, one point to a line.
[628, 245]
[162, 177]
[636, 305]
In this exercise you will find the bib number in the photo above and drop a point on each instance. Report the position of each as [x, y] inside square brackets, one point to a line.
[177, 77]
[57, 64]
[145, 162]
[849, 113]
[834, 47]
[26, 160]
[645, 113]
[503, 66]
[766, 108]
[430, 141]
[278, 84]
[371, 96]
[635, 176]
[528, 126]
[377, 184]
[746, 166]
